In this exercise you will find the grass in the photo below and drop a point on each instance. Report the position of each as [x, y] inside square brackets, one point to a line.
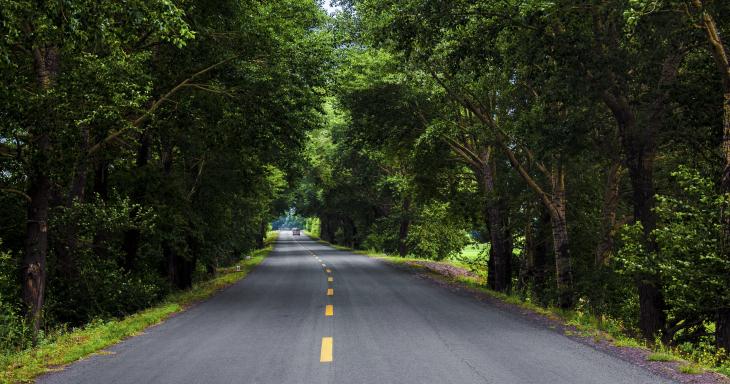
[473, 251]
[585, 324]
[690, 369]
[76, 344]
[661, 356]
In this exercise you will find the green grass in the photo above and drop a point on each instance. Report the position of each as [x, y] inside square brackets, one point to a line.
[690, 369]
[76, 344]
[472, 251]
[661, 356]
[628, 342]
[724, 369]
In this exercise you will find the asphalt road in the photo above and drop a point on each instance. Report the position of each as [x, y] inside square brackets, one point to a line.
[383, 326]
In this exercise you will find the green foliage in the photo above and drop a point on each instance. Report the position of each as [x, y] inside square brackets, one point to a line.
[661, 356]
[312, 225]
[14, 332]
[436, 234]
[689, 260]
[474, 256]
[170, 134]
[66, 347]
[429, 95]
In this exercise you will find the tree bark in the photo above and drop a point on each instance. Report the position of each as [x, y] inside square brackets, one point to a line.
[563, 267]
[722, 328]
[554, 204]
[722, 60]
[179, 268]
[328, 230]
[500, 251]
[610, 204]
[405, 222]
[639, 147]
[540, 257]
[36, 243]
[33, 269]
[262, 234]
[351, 232]
[499, 265]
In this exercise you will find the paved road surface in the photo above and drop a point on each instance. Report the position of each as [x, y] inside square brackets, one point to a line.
[384, 326]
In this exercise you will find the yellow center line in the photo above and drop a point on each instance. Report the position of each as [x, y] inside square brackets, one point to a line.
[326, 355]
[330, 279]
[329, 310]
[329, 270]
[330, 292]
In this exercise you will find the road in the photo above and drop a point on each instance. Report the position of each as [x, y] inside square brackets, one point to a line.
[286, 323]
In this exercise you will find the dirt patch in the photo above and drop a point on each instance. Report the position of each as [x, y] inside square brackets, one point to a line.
[444, 269]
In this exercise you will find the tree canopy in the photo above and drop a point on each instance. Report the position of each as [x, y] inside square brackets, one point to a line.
[584, 146]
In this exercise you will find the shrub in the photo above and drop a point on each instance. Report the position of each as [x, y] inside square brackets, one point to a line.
[436, 234]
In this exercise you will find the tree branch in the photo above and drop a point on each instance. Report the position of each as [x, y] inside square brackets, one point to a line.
[18, 192]
[145, 116]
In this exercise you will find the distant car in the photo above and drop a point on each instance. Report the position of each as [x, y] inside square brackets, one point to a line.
[295, 231]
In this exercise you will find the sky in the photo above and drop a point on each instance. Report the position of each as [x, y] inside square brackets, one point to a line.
[328, 7]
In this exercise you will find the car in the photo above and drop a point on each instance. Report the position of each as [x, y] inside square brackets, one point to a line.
[295, 232]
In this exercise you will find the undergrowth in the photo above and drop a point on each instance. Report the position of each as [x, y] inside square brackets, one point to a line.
[66, 346]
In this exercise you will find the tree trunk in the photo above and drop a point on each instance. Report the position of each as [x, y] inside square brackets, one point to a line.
[328, 233]
[610, 204]
[560, 233]
[351, 232]
[722, 60]
[500, 251]
[132, 236]
[36, 244]
[262, 234]
[405, 223]
[527, 265]
[725, 182]
[563, 268]
[33, 269]
[179, 269]
[533, 268]
[722, 329]
[640, 161]
[639, 147]
[101, 179]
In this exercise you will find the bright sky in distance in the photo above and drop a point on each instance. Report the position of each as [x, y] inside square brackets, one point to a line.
[328, 7]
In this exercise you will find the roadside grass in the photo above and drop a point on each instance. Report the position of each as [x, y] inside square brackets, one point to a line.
[690, 369]
[600, 328]
[70, 346]
[661, 356]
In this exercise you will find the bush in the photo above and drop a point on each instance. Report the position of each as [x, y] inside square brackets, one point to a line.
[14, 333]
[436, 234]
[689, 262]
[383, 235]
